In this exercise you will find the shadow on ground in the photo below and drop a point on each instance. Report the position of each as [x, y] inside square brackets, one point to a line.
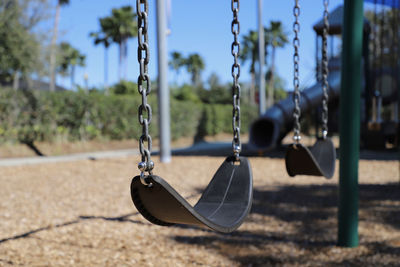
[122, 218]
[312, 210]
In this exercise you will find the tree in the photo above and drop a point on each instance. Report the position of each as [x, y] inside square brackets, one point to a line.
[213, 81]
[176, 63]
[53, 48]
[69, 59]
[103, 38]
[120, 27]
[33, 12]
[278, 38]
[218, 93]
[124, 88]
[249, 52]
[279, 86]
[185, 93]
[194, 65]
[19, 47]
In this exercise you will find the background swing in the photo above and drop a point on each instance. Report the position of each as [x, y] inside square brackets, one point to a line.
[227, 199]
[319, 160]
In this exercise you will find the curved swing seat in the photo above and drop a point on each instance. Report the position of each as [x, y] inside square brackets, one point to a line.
[223, 206]
[319, 160]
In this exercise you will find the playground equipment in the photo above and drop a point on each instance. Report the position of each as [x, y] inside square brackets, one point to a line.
[382, 94]
[227, 199]
[380, 122]
[319, 160]
[268, 130]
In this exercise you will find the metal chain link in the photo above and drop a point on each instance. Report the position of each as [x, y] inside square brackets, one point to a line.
[235, 50]
[144, 88]
[296, 80]
[325, 71]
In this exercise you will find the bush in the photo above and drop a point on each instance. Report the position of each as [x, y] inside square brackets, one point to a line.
[28, 116]
[185, 116]
[186, 93]
[124, 88]
[217, 119]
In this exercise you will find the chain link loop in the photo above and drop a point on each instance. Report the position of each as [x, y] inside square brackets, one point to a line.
[325, 71]
[235, 50]
[296, 79]
[144, 88]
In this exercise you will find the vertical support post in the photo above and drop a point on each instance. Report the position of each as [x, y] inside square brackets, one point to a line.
[350, 94]
[261, 57]
[163, 91]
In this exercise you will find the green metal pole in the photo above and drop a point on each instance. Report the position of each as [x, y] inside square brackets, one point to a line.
[350, 93]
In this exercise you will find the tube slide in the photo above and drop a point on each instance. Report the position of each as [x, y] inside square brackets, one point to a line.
[270, 128]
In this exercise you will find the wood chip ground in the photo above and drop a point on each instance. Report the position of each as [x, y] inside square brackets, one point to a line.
[80, 214]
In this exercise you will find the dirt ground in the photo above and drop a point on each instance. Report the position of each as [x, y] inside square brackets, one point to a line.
[80, 214]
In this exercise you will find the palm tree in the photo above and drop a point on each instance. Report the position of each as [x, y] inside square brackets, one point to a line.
[70, 58]
[120, 26]
[102, 38]
[53, 49]
[176, 63]
[249, 52]
[194, 65]
[278, 38]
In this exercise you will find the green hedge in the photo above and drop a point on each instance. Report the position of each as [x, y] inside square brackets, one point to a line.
[27, 116]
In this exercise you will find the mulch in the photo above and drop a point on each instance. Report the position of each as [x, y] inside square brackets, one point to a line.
[80, 214]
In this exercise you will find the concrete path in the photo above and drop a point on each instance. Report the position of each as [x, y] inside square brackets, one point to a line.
[200, 149]
[71, 157]
[203, 148]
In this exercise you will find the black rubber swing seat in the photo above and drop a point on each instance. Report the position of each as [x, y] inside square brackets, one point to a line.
[319, 160]
[223, 206]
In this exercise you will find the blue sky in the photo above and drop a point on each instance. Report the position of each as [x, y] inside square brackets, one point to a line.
[196, 26]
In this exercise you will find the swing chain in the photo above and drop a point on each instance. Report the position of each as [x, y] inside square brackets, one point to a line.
[235, 50]
[296, 80]
[375, 37]
[325, 71]
[144, 88]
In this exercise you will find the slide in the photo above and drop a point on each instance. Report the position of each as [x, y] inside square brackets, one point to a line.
[268, 130]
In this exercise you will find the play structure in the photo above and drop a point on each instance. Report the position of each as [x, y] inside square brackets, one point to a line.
[380, 91]
[227, 199]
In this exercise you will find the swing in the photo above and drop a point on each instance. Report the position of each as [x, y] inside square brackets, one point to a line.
[227, 199]
[319, 160]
